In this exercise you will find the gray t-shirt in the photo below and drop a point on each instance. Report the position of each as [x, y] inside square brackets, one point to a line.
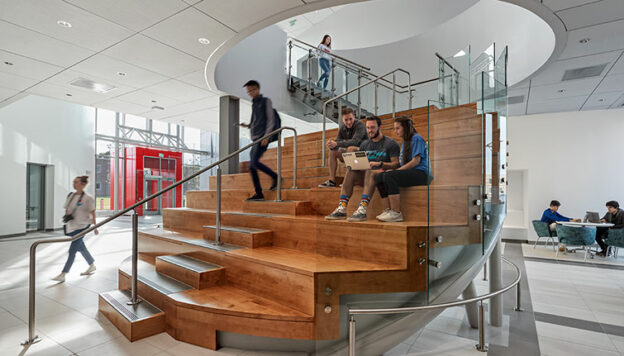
[381, 151]
[81, 209]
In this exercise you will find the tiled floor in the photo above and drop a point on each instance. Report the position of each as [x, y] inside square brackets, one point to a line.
[579, 310]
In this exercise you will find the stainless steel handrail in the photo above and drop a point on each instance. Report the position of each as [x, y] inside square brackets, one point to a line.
[374, 81]
[386, 311]
[331, 54]
[32, 338]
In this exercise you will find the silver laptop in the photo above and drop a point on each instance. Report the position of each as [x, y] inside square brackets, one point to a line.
[356, 161]
[592, 217]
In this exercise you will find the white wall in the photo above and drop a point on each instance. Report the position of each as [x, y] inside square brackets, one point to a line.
[45, 131]
[572, 157]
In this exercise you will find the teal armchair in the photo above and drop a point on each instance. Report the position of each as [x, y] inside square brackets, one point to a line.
[542, 231]
[584, 236]
[615, 239]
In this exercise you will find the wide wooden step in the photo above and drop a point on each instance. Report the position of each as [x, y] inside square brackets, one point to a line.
[278, 207]
[240, 236]
[194, 272]
[134, 321]
[243, 181]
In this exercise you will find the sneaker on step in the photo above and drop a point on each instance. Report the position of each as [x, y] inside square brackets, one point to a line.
[59, 278]
[392, 216]
[274, 185]
[359, 214]
[89, 270]
[328, 184]
[256, 197]
[383, 214]
[339, 214]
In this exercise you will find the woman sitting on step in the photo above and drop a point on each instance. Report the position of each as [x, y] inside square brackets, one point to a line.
[414, 170]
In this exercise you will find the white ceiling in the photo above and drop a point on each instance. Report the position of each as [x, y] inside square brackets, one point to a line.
[602, 22]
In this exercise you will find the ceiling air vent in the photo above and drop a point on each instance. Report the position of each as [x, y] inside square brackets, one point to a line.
[91, 85]
[585, 72]
[515, 99]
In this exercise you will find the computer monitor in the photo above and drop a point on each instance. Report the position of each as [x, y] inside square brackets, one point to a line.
[592, 216]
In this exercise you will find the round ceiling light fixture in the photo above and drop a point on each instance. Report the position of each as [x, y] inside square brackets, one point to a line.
[585, 40]
[64, 23]
[203, 41]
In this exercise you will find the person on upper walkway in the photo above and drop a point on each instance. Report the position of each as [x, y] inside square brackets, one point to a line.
[324, 48]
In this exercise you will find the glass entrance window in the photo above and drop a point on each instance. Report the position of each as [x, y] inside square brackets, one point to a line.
[35, 197]
[158, 173]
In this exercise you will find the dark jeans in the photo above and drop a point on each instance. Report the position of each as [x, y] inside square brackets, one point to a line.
[601, 234]
[77, 246]
[325, 68]
[254, 165]
[389, 182]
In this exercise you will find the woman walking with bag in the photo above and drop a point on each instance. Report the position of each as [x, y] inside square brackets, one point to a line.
[79, 215]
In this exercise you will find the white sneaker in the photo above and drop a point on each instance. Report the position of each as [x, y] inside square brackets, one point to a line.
[59, 278]
[383, 214]
[392, 216]
[89, 270]
[359, 214]
[339, 214]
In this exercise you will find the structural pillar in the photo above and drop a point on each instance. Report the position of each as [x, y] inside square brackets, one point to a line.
[229, 118]
[472, 310]
[496, 283]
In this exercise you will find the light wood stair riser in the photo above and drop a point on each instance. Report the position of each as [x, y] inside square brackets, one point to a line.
[197, 280]
[249, 240]
[132, 330]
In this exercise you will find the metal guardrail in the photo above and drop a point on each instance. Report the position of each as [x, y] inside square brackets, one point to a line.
[32, 338]
[481, 346]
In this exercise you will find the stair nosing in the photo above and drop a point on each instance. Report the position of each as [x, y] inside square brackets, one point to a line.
[124, 311]
[171, 259]
[247, 230]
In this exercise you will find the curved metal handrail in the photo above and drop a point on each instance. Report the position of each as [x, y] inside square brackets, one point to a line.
[32, 338]
[331, 54]
[386, 311]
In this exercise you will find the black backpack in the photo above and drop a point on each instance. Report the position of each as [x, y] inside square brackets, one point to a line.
[277, 123]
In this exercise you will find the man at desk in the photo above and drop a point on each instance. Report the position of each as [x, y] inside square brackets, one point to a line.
[551, 216]
[614, 216]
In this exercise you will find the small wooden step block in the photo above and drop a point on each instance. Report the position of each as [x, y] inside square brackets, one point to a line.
[278, 207]
[196, 273]
[134, 321]
[240, 236]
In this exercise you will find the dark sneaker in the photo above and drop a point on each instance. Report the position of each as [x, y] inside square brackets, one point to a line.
[256, 197]
[359, 215]
[339, 214]
[274, 185]
[328, 184]
[601, 254]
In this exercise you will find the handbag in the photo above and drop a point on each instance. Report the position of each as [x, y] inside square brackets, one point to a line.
[68, 217]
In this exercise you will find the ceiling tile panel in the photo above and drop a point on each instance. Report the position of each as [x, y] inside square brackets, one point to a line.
[147, 99]
[26, 67]
[570, 88]
[205, 119]
[602, 38]
[554, 72]
[196, 78]
[179, 91]
[294, 25]
[611, 83]
[618, 68]
[87, 30]
[557, 5]
[155, 56]
[602, 99]
[59, 92]
[32, 44]
[592, 14]
[238, 14]
[6, 93]
[16, 82]
[189, 107]
[108, 67]
[556, 105]
[136, 14]
[122, 106]
[183, 31]
[66, 77]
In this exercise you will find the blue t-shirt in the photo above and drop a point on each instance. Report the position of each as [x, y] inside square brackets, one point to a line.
[418, 147]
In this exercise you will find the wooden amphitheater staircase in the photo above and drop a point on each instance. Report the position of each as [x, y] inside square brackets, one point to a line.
[284, 267]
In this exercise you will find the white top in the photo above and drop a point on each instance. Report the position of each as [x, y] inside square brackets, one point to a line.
[573, 223]
[323, 51]
[82, 213]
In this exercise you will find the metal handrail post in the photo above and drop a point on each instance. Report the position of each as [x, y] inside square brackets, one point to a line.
[518, 299]
[485, 271]
[290, 45]
[359, 102]
[409, 89]
[351, 335]
[309, 71]
[394, 95]
[32, 338]
[481, 346]
[279, 168]
[218, 217]
[323, 135]
[295, 164]
[376, 107]
[333, 65]
[134, 300]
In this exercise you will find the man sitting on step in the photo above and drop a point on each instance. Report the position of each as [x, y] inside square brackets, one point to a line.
[383, 154]
[350, 135]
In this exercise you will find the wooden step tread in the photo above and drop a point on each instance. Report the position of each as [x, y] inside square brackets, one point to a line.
[307, 263]
[233, 301]
[155, 280]
[188, 262]
[191, 238]
[244, 230]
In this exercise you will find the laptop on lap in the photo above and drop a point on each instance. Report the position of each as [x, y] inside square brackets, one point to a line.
[356, 161]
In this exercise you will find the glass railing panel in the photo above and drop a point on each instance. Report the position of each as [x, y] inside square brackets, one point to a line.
[454, 224]
[384, 99]
[422, 93]
[299, 62]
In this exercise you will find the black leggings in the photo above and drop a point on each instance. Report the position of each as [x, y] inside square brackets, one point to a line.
[389, 182]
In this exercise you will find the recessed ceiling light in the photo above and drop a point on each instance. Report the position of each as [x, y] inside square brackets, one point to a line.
[561, 91]
[153, 101]
[68, 94]
[64, 23]
[157, 108]
[122, 74]
[585, 40]
[204, 41]
[8, 63]
[601, 100]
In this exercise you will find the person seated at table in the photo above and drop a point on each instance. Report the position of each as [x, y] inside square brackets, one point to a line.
[551, 216]
[613, 216]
